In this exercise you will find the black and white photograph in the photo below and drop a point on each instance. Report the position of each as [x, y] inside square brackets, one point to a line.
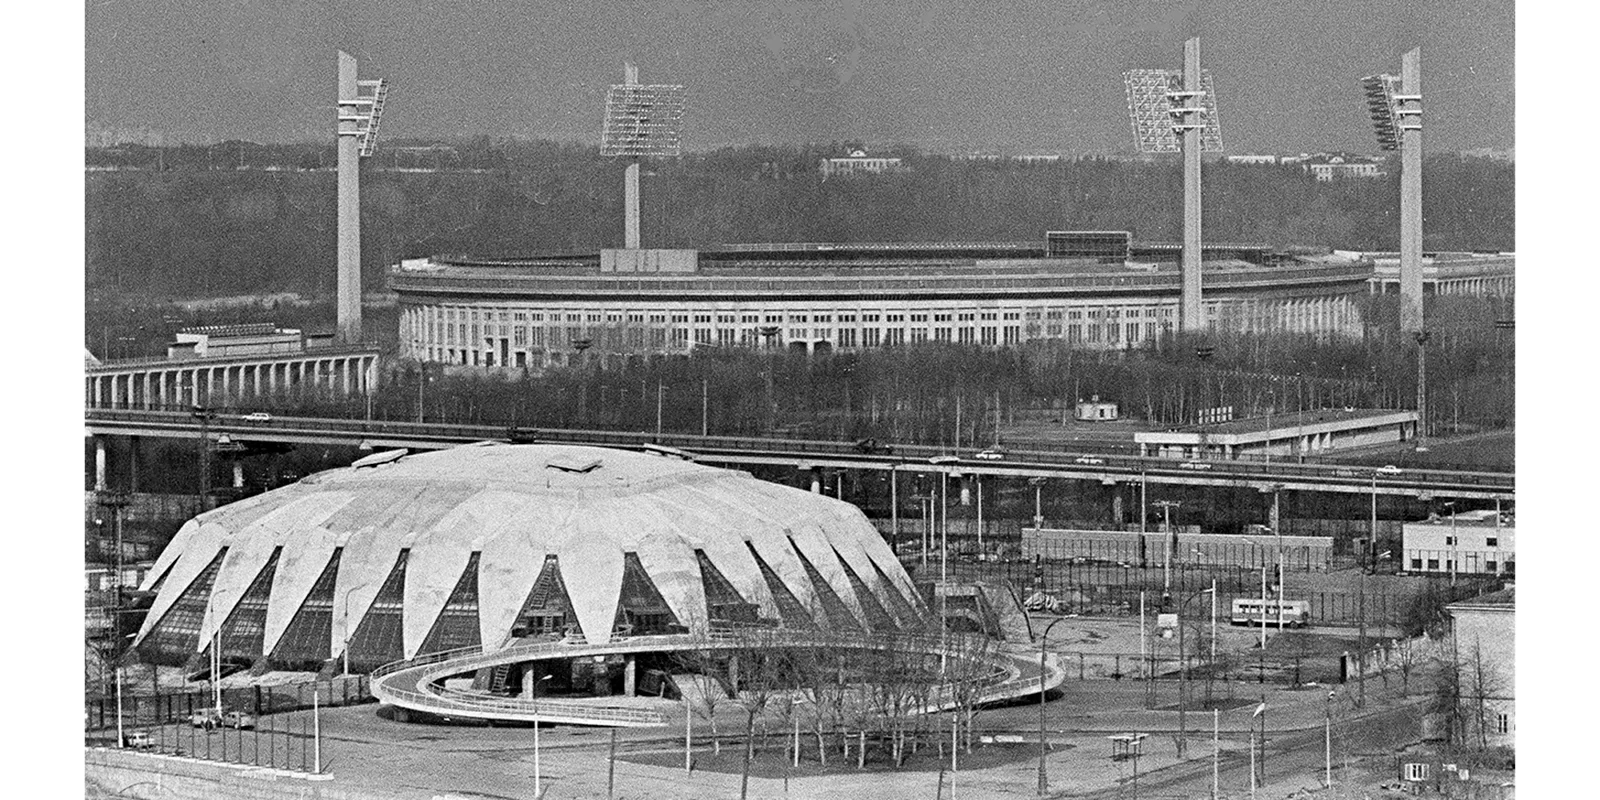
[820, 399]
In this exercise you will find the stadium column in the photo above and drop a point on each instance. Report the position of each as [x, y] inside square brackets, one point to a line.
[630, 677]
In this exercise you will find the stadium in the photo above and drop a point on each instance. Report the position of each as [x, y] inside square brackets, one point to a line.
[491, 544]
[1091, 289]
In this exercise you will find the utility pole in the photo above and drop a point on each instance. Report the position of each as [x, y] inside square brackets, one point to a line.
[705, 407]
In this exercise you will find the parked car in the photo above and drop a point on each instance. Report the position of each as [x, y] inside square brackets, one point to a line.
[207, 718]
[238, 720]
[1389, 469]
[1089, 461]
[257, 416]
[944, 460]
[991, 454]
[138, 740]
[1194, 465]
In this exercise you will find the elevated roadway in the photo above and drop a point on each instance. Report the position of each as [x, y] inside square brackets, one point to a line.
[1007, 672]
[824, 454]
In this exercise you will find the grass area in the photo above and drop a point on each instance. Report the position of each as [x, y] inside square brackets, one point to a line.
[774, 759]
[1495, 451]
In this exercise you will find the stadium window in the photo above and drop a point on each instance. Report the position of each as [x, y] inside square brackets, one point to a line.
[1075, 333]
[1502, 723]
[1491, 541]
[1416, 563]
[1012, 334]
[1133, 331]
[919, 317]
[680, 317]
[964, 335]
[1433, 563]
[987, 335]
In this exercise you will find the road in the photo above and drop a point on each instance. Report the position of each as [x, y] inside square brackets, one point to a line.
[824, 454]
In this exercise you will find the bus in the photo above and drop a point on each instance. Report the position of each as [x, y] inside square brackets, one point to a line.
[1248, 611]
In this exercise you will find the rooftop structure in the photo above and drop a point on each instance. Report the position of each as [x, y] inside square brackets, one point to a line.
[497, 545]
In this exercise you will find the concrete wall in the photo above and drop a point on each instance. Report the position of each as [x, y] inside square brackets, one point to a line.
[111, 773]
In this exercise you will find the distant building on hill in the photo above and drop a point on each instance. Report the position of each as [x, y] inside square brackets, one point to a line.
[859, 163]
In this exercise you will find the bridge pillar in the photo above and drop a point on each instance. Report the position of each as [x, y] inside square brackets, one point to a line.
[530, 681]
[238, 474]
[99, 463]
[1116, 504]
[630, 677]
[816, 481]
[133, 464]
[966, 490]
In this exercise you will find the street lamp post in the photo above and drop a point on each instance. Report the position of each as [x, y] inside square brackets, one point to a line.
[1455, 541]
[1038, 506]
[1183, 666]
[345, 624]
[1168, 547]
[538, 776]
[1044, 780]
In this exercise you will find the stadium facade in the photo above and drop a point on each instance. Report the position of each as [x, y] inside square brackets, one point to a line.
[1090, 289]
[493, 546]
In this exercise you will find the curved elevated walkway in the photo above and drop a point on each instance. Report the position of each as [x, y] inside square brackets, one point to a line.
[418, 684]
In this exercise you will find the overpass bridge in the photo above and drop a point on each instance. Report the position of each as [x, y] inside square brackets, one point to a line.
[1000, 673]
[804, 454]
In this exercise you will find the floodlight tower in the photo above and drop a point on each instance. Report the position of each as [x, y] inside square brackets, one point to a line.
[359, 114]
[1395, 105]
[641, 121]
[1163, 104]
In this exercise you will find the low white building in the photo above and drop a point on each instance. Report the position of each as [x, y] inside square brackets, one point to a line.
[1471, 542]
[1288, 434]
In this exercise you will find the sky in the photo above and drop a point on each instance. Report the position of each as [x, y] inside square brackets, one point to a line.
[947, 75]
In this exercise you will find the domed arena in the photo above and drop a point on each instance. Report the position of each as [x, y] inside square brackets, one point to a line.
[494, 545]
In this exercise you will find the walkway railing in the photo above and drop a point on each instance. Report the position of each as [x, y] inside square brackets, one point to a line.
[417, 683]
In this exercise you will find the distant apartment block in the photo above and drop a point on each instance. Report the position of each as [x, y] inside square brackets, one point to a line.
[1252, 159]
[859, 163]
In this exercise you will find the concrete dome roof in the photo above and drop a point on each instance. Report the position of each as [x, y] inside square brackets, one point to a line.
[402, 554]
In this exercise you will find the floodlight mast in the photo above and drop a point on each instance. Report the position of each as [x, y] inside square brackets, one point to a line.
[1190, 118]
[358, 133]
[641, 121]
[1408, 112]
[1173, 112]
[630, 77]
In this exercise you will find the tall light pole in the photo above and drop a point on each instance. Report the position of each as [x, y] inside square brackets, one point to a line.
[345, 624]
[538, 776]
[1183, 667]
[1169, 545]
[1044, 780]
[1038, 506]
[1450, 505]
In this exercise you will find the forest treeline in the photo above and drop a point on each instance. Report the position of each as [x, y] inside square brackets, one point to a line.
[235, 219]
